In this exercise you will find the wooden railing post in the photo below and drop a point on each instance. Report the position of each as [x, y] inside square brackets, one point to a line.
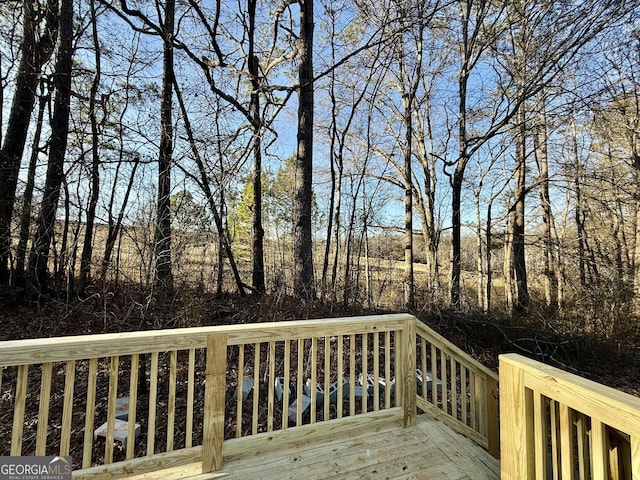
[408, 362]
[492, 417]
[517, 459]
[214, 398]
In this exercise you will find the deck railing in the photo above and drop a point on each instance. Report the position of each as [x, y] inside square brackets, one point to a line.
[558, 425]
[457, 389]
[184, 390]
[200, 394]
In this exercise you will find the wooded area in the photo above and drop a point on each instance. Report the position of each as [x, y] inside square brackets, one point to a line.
[466, 155]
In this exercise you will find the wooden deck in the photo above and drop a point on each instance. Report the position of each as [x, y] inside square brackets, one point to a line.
[430, 450]
[54, 392]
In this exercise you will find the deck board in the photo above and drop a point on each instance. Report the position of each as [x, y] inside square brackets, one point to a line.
[430, 450]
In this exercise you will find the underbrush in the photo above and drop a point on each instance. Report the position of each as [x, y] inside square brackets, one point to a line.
[557, 338]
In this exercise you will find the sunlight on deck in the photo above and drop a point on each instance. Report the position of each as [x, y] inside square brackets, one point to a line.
[430, 450]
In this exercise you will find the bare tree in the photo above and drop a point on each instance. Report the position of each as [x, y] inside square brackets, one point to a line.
[39, 256]
[540, 144]
[303, 278]
[474, 16]
[27, 196]
[87, 249]
[39, 33]
[164, 276]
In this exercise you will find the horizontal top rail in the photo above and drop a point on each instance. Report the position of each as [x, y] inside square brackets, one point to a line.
[612, 407]
[43, 350]
[453, 351]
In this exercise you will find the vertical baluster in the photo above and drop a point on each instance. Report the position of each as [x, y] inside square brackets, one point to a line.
[43, 409]
[153, 395]
[327, 376]
[92, 381]
[635, 456]
[464, 397]
[540, 435]
[473, 401]
[443, 370]
[387, 369]
[566, 443]
[171, 408]
[599, 450]
[434, 375]
[239, 401]
[423, 365]
[397, 357]
[111, 409]
[340, 367]
[67, 409]
[188, 442]
[481, 410]
[365, 372]
[271, 385]
[133, 402]
[583, 446]
[287, 382]
[555, 447]
[376, 371]
[352, 374]
[18, 410]
[313, 364]
[300, 381]
[256, 388]
[454, 388]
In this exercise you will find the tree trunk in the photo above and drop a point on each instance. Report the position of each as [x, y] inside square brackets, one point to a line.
[256, 125]
[456, 267]
[61, 257]
[33, 56]
[427, 206]
[39, 256]
[463, 158]
[303, 282]
[507, 270]
[337, 225]
[87, 248]
[522, 299]
[163, 280]
[365, 235]
[332, 168]
[480, 266]
[578, 211]
[27, 197]
[540, 148]
[488, 266]
[409, 287]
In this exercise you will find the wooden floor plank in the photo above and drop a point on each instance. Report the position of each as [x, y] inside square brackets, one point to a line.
[428, 451]
[328, 459]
